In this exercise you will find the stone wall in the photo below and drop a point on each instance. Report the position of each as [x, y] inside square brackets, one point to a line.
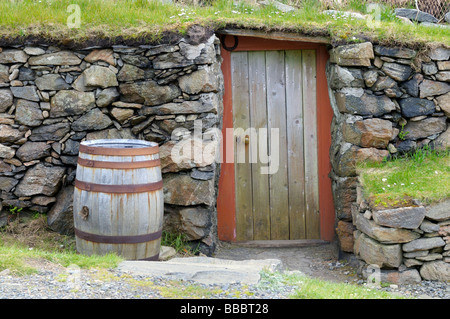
[386, 101]
[408, 243]
[53, 98]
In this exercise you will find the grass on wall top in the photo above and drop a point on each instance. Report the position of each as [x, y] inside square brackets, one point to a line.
[148, 19]
[423, 175]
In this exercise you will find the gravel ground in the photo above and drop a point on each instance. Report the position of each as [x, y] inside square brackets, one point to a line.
[95, 284]
[54, 282]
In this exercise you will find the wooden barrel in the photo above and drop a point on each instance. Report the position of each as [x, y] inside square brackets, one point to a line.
[118, 199]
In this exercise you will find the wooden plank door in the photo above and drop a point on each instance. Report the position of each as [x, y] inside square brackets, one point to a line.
[274, 117]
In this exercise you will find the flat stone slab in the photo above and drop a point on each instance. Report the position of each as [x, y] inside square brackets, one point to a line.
[206, 270]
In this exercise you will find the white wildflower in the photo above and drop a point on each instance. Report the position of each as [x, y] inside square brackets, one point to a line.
[384, 179]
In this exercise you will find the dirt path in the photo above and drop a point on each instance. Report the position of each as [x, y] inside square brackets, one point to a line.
[317, 261]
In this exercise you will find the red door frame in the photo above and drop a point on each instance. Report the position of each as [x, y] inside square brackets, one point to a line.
[226, 201]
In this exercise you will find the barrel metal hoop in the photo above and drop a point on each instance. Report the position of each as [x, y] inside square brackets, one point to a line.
[131, 188]
[104, 239]
[118, 165]
[116, 151]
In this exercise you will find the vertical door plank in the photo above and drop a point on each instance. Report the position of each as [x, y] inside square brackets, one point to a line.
[276, 113]
[258, 120]
[310, 145]
[294, 124]
[241, 120]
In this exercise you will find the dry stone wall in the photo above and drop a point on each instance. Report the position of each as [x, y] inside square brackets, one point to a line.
[53, 98]
[386, 101]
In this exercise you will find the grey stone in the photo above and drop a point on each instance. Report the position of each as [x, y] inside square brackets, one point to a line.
[429, 227]
[71, 147]
[113, 133]
[431, 88]
[203, 53]
[121, 114]
[9, 134]
[26, 74]
[106, 55]
[440, 54]
[57, 58]
[95, 76]
[107, 96]
[40, 180]
[176, 160]
[399, 72]
[405, 146]
[443, 141]
[413, 106]
[443, 65]
[370, 77]
[6, 99]
[412, 86]
[6, 151]
[203, 80]
[28, 113]
[423, 244]
[33, 51]
[352, 54]
[4, 73]
[25, 92]
[13, 56]
[52, 132]
[136, 60]
[340, 77]
[51, 82]
[436, 270]
[70, 102]
[7, 183]
[395, 52]
[415, 15]
[130, 73]
[208, 103]
[386, 235]
[425, 128]
[429, 68]
[430, 257]
[403, 217]
[206, 270]
[194, 222]
[439, 211]
[356, 101]
[204, 176]
[368, 133]
[185, 191]
[92, 120]
[60, 216]
[443, 76]
[447, 17]
[373, 252]
[148, 93]
[406, 277]
[33, 150]
[383, 83]
[280, 6]
[414, 254]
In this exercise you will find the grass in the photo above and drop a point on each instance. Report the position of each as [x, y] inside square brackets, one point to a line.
[423, 175]
[26, 241]
[311, 288]
[142, 20]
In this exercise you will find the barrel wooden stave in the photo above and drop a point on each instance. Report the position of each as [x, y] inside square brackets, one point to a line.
[119, 214]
